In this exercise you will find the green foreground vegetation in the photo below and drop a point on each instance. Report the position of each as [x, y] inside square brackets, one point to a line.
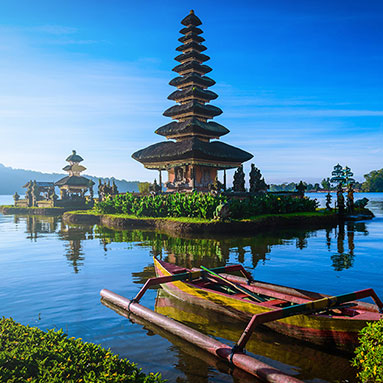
[369, 354]
[202, 205]
[28, 354]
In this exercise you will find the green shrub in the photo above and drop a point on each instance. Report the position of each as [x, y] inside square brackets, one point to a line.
[202, 205]
[270, 204]
[369, 354]
[28, 354]
[143, 187]
[193, 205]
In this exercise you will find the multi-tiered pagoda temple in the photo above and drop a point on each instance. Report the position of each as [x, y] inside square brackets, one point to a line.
[74, 186]
[192, 160]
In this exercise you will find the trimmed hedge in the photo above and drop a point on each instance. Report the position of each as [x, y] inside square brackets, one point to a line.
[202, 205]
[28, 354]
[369, 354]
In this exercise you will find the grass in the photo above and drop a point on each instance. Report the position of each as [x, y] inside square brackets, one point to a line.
[28, 354]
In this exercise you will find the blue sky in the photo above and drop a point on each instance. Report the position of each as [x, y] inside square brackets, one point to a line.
[299, 82]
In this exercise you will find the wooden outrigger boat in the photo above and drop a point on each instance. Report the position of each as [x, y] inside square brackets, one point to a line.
[301, 314]
[316, 318]
[291, 356]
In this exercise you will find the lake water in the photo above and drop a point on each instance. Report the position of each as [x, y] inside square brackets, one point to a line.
[51, 275]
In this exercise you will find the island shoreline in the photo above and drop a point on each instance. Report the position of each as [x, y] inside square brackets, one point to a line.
[180, 226]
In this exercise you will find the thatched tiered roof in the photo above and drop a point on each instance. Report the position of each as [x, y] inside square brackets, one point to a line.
[74, 181]
[191, 20]
[194, 150]
[192, 93]
[192, 55]
[191, 37]
[191, 30]
[192, 67]
[192, 127]
[74, 157]
[192, 109]
[191, 45]
[192, 79]
[192, 130]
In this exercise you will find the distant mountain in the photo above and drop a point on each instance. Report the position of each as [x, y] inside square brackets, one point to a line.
[12, 180]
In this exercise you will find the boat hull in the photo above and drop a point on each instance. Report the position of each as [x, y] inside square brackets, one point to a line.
[331, 331]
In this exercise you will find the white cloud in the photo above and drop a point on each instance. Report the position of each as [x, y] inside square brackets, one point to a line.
[53, 29]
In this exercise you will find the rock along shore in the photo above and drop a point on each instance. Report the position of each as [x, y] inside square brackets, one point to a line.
[49, 211]
[265, 223]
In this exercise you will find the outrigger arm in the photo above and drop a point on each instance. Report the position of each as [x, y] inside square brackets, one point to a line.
[305, 308]
[191, 275]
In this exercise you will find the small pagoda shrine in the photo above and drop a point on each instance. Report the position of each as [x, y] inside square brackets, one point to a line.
[74, 186]
[192, 160]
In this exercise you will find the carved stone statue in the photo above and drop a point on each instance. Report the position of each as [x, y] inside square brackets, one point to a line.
[28, 194]
[91, 193]
[35, 193]
[114, 189]
[239, 180]
[301, 187]
[16, 197]
[350, 198]
[340, 199]
[154, 188]
[257, 183]
[216, 187]
[361, 203]
[99, 189]
[222, 212]
[52, 195]
[105, 189]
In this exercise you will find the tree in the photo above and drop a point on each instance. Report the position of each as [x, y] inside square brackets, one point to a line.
[143, 187]
[326, 183]
[374, 181]
[256, 182]
[337, 175]
[342, 176]
[283, 187]
[347, 173]
[239, 180]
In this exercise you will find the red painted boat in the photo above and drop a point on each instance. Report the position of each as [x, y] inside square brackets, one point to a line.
[308, 316]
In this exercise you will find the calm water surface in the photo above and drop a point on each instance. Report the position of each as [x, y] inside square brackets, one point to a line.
[51, 275]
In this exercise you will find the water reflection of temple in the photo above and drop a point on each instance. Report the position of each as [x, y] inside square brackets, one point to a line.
[218, 251]
[73, 237]
[211, 252]
[344, 236]
[37, 225]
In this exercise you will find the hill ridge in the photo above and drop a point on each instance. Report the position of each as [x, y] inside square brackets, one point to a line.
[12, 180]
